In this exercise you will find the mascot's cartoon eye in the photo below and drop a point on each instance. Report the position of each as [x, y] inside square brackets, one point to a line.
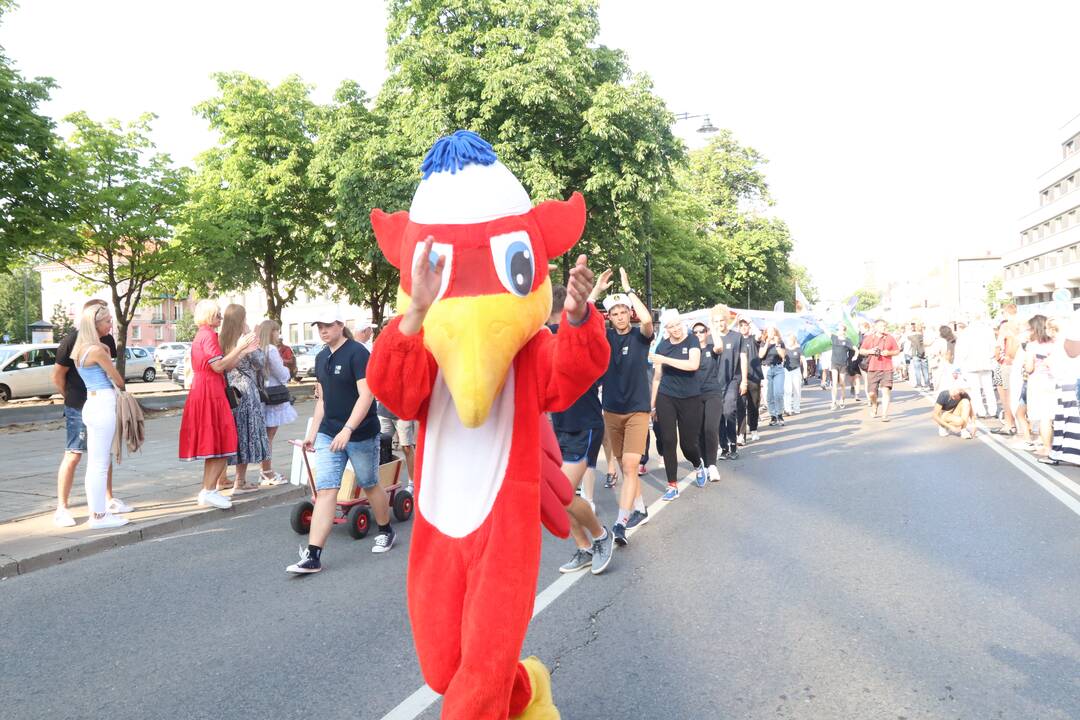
[514, 261]
[437, 249]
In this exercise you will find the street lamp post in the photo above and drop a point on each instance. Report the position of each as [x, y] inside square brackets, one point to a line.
[707, 128]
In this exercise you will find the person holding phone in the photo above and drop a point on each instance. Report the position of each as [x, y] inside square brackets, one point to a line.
[880, 347]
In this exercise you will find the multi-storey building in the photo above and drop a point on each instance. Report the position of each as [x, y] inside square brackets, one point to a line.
[1048, 256]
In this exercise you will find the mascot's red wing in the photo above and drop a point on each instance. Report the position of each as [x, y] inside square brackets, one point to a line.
[556, 493]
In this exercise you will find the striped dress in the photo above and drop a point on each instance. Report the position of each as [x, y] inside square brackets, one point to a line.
[1065, 446]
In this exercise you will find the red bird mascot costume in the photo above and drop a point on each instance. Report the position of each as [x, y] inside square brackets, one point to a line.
[467, 357]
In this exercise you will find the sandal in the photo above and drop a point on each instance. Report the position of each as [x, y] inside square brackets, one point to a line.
[244, 490]
[270, 479]
[1003, 431]
[611, 480]
[1047, 460]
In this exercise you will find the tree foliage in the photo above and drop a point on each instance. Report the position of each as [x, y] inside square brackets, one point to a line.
[184, 328]
[61, 321]
[866, 299]
[33, 166]
[20, 301]
[255, 212]
[126, 199]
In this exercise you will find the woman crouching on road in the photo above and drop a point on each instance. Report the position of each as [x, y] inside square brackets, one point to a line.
[94, 364]
[207, 428]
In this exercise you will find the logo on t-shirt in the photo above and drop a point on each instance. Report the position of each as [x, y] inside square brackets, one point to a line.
[337, 369]
[685, 351]
[727, 345]
[708, 353]
[626, 350]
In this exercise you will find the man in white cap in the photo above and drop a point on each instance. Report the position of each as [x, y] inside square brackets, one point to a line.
[365, 329]
[344, 429]
[626, 398]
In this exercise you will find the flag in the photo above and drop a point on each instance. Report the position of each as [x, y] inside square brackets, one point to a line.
[802, 305]
[778, 307]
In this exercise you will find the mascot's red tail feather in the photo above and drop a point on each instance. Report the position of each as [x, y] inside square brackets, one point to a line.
[556, 493]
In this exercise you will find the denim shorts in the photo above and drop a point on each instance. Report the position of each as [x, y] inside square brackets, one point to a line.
[330, 465]
[76, 430]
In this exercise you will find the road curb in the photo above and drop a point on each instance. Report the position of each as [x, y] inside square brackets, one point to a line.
[148, 530]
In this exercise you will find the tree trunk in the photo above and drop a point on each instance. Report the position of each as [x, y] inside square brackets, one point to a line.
[121, 343]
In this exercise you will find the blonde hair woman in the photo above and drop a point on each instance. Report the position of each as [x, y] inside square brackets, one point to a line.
[94, 364]
[275, 374]
[207, 428]
[253, 445]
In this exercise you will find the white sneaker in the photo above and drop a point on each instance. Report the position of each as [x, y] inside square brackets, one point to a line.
[108, 520]
[942, 432]
[754, 437]
[740, 440]
[117, 506]
[966, 434]
[714, 474]
[63, 518]
[208, 498]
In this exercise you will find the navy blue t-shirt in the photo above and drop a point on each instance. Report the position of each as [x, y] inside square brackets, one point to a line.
[586, 412]
[772, 355]
[754, 373]
[709, 371]
[337, 373]
[793, 359]
[626, 382]
[678, 383]
[842, 351]
[730, 361]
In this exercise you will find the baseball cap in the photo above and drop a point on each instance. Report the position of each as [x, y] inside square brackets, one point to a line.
[328, 316]
[616, 299]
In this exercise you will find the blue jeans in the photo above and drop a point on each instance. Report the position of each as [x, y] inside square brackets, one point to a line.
[775, 399]
[330, 465]
[920, 369]
[76, 430]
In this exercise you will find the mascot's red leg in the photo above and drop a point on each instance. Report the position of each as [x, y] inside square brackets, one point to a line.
[494, 572]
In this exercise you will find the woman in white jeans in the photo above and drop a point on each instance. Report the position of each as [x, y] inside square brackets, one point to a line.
[94, 365]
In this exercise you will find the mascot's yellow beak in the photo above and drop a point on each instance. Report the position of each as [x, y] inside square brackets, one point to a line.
[475, 339]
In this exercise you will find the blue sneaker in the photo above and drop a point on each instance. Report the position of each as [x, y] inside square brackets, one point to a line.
[671, 494]
[702, 477]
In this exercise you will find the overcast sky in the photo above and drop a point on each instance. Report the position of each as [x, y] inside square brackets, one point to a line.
[894, 132]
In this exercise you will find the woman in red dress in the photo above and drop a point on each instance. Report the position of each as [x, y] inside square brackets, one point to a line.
[207, 429]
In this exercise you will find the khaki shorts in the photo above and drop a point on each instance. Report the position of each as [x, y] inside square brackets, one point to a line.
[627, 432]
[957, 415]
[876, 379]
[404, 429]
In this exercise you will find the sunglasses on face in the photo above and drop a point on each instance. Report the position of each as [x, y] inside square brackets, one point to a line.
[700, 332]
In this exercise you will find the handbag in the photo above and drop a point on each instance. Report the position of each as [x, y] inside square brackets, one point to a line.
[275, 395]
[232, 393]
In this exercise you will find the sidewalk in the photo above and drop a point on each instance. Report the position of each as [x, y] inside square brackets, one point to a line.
[161, 488]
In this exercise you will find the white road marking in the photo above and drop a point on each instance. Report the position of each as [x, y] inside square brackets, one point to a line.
[424, 697]
[190, 534]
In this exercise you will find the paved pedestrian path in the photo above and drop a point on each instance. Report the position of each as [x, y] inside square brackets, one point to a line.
[161, 488]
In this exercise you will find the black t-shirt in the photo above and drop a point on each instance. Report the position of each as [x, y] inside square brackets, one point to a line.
[730, 359]
[842, 351]
[791, 362]
[946, 401]
[585, 413]
[754, 374]
[918, 348]
[626, 382]
[709, 371]
[772, 355]
[337, 374]
[74, 387]
[673, 382]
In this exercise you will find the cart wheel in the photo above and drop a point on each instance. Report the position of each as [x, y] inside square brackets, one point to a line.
[403, 505]
[359, 521]
[301, 517]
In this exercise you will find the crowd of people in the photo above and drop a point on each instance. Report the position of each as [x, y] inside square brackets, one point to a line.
[669, 387]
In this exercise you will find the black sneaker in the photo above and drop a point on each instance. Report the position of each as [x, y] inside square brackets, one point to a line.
[772, 421]
[637, 518]
[307, 564]
[733, 455]
[619, 531]
[780, 420]
[725, 455]
[383, 542]
[611, 480]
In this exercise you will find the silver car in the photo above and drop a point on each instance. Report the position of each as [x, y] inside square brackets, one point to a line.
[26, 371]
[168, 354]
[139, 365]
[305, 359]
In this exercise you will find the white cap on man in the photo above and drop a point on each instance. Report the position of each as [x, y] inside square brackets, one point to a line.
[614, 299]
[328, 316]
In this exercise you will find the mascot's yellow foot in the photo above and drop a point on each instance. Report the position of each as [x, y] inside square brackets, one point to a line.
[541, 706]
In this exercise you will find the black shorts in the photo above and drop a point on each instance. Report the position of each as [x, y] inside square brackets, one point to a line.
[581, 445]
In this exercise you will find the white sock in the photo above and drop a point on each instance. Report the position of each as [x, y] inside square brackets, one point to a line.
[639, 504]
[624, 515]
[601, 537]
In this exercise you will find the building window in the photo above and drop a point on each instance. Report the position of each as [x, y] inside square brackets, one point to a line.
[177, 311]
[136, 332]
[159, 332]
[294, 333]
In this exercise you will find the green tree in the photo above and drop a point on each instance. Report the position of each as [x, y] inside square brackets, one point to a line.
[256, 214]
[61, 321]
[562, 111]
[993, 303]
[866, 299]
[185, 328]
[20, 301]
[363, 162]
[126, 202]
[33, 167]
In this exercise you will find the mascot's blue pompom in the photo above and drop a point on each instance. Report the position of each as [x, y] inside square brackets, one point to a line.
[454, 152]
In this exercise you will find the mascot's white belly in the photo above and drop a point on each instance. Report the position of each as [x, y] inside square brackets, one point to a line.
[464, 467]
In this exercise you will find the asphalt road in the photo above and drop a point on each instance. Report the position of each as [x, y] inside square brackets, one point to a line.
[843, 568]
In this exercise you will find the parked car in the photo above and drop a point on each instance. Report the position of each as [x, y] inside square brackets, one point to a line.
[26, 371]
[139, 364]
[167, 355]
[179, 375]
[305, 359]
